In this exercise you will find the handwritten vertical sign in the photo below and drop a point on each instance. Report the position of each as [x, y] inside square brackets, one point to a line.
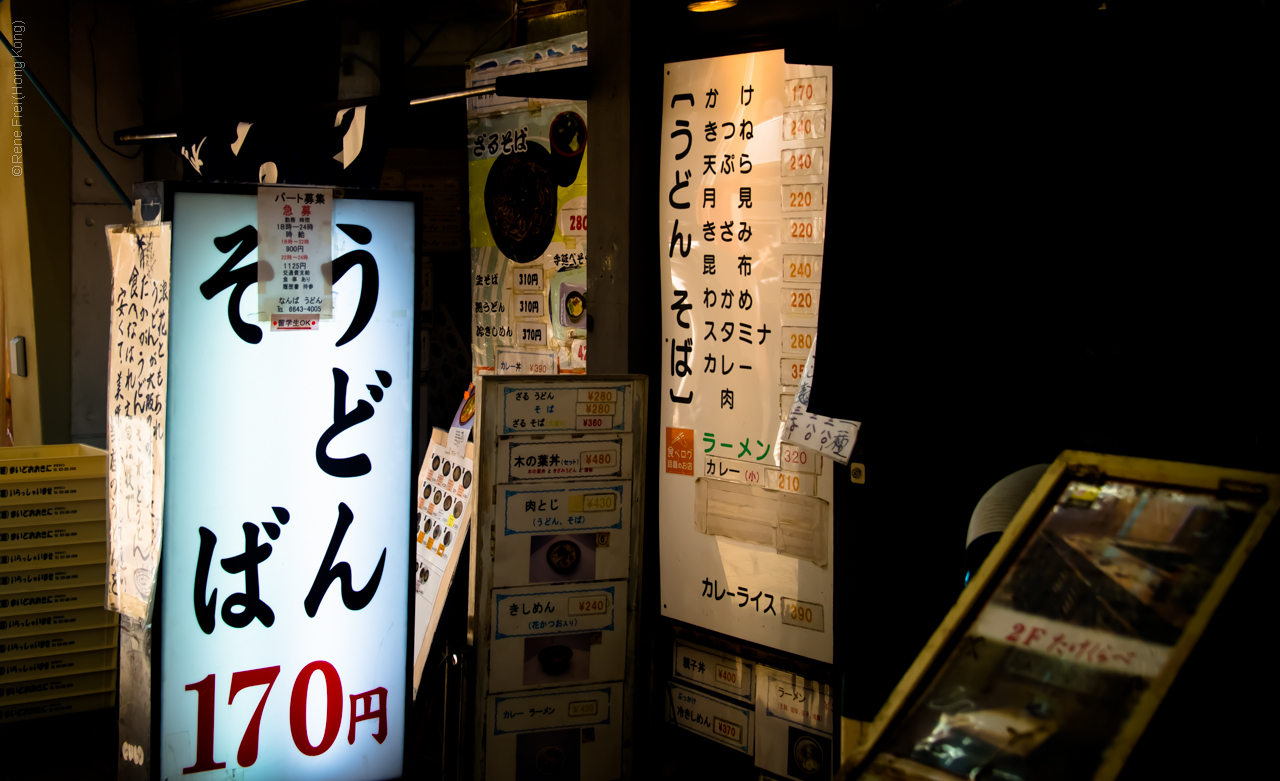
[137, 374]
[742, 210]
[287, 564]
[294, 252]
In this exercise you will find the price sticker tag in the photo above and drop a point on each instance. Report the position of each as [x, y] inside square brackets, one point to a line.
[800, 301]
[606, 459]
[801, 268]
[530, 306]
[791, 371]
[804, 124]
[785, 402]
[804, 161]
[588, 605]
[791, 482]
[573, 222]
[531, 333]
[806, 615]
[807, 92]
[595, 503]
[802, 230]
[797, 340]
[528, 279]
[801, 197]
[579, 709]
[601, 396]
[798, 459]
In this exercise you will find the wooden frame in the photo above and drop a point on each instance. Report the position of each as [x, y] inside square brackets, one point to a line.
[937, 654]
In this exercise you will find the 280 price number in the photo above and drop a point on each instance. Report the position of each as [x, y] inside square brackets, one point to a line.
[247, 755]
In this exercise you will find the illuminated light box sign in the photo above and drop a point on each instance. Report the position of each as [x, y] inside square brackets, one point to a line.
[284, 592]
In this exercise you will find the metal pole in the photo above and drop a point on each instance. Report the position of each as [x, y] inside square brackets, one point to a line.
[66, 122]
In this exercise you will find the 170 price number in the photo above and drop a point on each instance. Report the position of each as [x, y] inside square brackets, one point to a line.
[206, 690]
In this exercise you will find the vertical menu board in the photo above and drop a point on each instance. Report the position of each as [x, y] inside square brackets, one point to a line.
[746, 518]
[561, 481]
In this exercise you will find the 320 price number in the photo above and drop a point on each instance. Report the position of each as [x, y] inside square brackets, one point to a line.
[206, 690]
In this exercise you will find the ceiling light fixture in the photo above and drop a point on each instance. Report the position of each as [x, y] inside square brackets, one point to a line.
[703, 6]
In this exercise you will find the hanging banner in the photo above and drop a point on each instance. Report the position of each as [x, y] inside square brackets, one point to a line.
[746, 517]
[528, 204]
[137, 368]
[286, 617]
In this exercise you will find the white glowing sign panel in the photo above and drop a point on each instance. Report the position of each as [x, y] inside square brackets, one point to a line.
[284, 626]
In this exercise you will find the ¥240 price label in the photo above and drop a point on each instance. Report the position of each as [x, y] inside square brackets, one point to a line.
[365, 706]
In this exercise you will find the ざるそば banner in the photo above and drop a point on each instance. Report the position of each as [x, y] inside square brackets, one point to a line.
[284, 601]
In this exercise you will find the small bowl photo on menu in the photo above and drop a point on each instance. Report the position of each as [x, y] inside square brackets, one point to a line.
[562, 557]
[557, 658]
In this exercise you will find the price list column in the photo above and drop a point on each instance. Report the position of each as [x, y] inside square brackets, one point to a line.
[560, 484]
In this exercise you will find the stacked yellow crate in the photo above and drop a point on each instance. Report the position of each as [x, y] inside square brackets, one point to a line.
[58, 644]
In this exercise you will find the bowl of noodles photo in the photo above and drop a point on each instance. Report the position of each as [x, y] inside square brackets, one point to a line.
[520, 203]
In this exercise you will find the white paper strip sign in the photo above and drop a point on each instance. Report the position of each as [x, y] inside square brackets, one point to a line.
[829, 436]
[294, 254]
[138, 366]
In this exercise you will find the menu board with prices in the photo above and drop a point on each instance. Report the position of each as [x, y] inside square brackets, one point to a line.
[711, 717]
[746, 518]
[444, 501]
[554, 593]
[527, 171]
[573, 732]
[796, 724]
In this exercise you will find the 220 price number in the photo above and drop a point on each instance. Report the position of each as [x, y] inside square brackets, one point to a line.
[206, 691]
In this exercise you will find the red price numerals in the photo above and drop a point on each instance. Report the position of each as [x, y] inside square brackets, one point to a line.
[266, 676]
[577, 222]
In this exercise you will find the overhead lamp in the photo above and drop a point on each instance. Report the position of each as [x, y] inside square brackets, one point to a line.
[703, 6]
